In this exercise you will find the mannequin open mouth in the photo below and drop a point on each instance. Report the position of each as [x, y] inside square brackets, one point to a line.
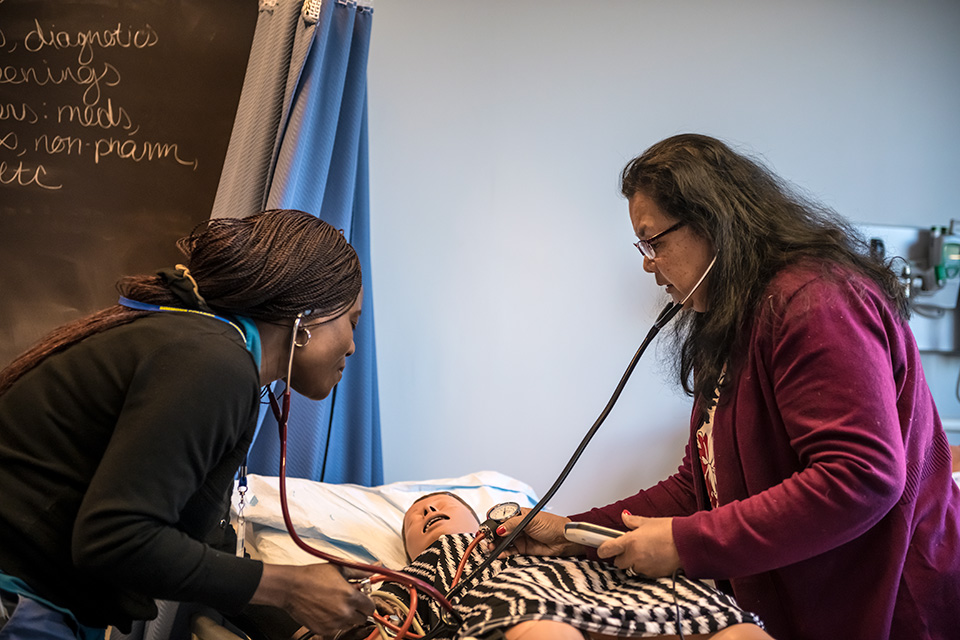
[434, 520]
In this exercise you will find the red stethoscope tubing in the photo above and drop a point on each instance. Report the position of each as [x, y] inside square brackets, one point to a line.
[403, 631]
[283, 415]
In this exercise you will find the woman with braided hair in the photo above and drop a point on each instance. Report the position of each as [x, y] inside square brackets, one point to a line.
[121, 433]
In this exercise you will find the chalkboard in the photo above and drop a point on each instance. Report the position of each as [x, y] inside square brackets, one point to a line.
[114, 122]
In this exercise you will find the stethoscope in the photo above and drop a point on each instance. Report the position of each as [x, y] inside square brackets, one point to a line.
[449, 618]
[281, 410]
[666, 315]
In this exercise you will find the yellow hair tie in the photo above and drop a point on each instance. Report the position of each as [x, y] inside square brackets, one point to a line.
[196, 288]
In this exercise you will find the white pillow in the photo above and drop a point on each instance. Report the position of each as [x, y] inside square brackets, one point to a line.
[355, 522]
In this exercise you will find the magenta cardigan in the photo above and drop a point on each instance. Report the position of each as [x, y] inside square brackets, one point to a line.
[838, 514]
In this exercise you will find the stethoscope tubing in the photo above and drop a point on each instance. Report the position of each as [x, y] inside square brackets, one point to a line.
[283, 413]
[665, 316]
[668, 312]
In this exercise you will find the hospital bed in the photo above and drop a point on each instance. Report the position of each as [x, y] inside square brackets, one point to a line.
[354, 522]
[357, 523]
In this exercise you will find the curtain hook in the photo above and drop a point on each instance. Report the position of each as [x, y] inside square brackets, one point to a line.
[311, 11]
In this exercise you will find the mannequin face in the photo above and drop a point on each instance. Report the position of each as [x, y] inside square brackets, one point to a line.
[682, 255]
[433, 516]
[318, 364]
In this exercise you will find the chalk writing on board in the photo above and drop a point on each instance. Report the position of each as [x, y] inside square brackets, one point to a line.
[115, 119]
[87, 41]
[72, 112]
[25, 176]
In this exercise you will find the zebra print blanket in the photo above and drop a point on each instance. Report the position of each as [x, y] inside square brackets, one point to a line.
[588, 595]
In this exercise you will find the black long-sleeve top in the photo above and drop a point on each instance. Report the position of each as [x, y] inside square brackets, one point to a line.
[116, 459]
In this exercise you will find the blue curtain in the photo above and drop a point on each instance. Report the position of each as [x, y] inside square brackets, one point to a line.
[307, 86]
[299, 141]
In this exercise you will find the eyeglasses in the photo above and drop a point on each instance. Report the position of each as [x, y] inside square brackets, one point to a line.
[646, 246]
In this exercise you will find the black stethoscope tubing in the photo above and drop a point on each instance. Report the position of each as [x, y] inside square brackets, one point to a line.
[667, 314]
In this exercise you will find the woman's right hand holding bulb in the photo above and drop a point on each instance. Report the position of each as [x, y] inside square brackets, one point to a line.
[317, 596]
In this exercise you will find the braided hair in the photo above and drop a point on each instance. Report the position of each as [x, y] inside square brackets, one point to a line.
[270, 266]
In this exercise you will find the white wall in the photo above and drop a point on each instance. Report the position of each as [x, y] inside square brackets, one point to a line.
[508, 296]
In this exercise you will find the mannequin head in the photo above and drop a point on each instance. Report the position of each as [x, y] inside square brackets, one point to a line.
[434, 515]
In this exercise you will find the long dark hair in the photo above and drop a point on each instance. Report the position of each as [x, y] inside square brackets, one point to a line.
[269, 266]
[759, 224]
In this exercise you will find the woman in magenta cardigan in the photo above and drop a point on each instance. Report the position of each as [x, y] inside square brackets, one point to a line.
[817, 478]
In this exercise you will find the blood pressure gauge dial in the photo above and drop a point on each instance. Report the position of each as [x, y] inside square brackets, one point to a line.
[497, 515]
[503, 511]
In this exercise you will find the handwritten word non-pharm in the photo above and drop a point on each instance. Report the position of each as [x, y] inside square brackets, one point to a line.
[58, 144]
[139, 151]
[86, 41]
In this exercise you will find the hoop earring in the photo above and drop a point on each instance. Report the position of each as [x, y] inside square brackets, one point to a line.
[296, 341]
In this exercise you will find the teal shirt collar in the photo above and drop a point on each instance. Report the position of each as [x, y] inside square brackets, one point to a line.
[251, 337]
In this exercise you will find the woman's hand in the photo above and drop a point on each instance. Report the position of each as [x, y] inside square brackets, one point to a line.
[648, 548]
[317, 596]
[543, 536]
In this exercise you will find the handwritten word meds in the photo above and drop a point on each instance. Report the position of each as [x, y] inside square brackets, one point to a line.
[96, 116]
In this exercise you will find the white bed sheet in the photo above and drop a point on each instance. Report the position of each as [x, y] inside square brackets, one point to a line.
[359, 523]
[355, 522]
